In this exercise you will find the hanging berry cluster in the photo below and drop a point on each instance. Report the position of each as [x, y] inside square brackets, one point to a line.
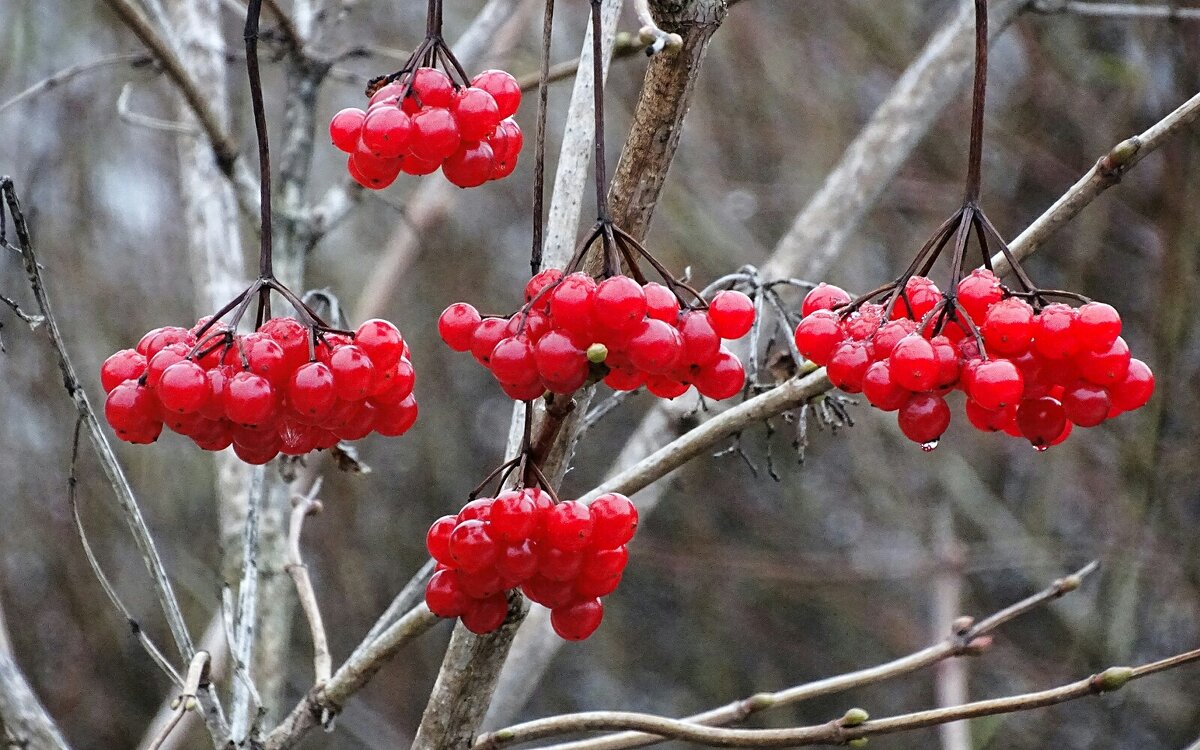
[1032, 373]
[575, 329]
[1030, 367]
[265, 393]
[564, 556]
[421, 119]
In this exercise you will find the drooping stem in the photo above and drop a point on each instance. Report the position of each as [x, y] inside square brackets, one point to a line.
[978, 97]
[260, 128]
[539, 167]
[598, 108]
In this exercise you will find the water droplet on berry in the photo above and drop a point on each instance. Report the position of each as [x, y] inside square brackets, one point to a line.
[1041, 448]
[930, 446]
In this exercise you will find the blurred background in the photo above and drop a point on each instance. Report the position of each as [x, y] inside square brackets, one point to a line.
[737, 583]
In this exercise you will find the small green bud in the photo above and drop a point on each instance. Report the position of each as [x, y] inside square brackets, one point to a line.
[854, 717]
[858, 742]
[1113, 678]
[597, 353]
[759, 701]
[1124, 151]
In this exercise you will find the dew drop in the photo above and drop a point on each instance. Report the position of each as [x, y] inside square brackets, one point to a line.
[1041, 448]
[930, 446]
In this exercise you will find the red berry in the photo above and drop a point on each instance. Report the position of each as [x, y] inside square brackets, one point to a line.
[731, 314]
[1107, 366]
[557, 564]
[986, 420]
[1097, 326]
[389, 94]
[435, 135]
[131, 411]
[159, 363]
[661, 302]
[485, 615]
[881, 390]
[848, 365]
[353, 372]
[818, 334]
[183, 387]
[914, 364]
[386, 132]
[372, 172]
[889, 334]
[393, 420]
[576, 621]
[482, 583]
[437, 541]
[512, 362]
[517, 562]
[536, 287]
[923, 418]
[469, 166]
[124, 365]
[977, 292]
[548, 593]
[249, 399]
[160, 338]
[1085, 404]
[923, 295]
[559, 359]
[656, 348]
[311, 390]
[569, 525]
[614, 520]
[722, 378]
[471, 545]
[664, 386]
[701, 344]
[619, 305]
[381, 341]
[571, 303]
[345, 127]
[265, 357]
[995, 384]
[823, 297]
[1135, 390]
[1054, 333]
[506, 143]
[947, 360]
[1041, 420]
[218, 384]
[444, 595]
[476, 113]
[604, 563]
[410, 164]
[433, 87]
[1008, 327]
[392, 387]
[504, 90]
[514, 516]
[864, 323]
[290, 334]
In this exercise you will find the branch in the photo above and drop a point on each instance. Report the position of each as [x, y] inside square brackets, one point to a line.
[24, 721]
[59, 78]
[323, 702]
[224, 149]
[1107, 172]
[1116, 10]
[304, 507]
[245, 617]
[967, 639]
[130, 510]
[186, 700]
[851, 727]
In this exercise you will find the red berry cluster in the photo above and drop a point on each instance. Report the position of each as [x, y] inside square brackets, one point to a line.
[573, 329]
[1040, 373]
[264, 393]
[563, 556]
[416, 126]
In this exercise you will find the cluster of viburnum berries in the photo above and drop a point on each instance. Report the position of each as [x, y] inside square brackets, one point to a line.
[564, 556]
[1040, 372]
[264, 393]
[574, 328]
[466, 131]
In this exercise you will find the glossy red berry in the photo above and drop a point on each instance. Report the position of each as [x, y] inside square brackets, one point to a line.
[386, 132]
[914, 364]
[731, 314]
[472, 546]
[995, 384]
[923, 295]
[619, 304]
[514, 516]
[353, 372]
[131, 411]
[486, 615]
[1041, 420]
[559, 359]
[848, 365]
[818, 334]
[381, 341]
[1135, 390]
[504, 90]
[512, 361]
[469, 166]
[977, 292]
[823, 297]
[578, 620]
[393, 420]
[614, 520]
[1055, 334]
[183, 387]
[444, 595]
[126, 364]
[881, 390]
[345, 128]
[1098, 326]
[311, 390]
[701, 344]
[435, 135]
[432, 87]
[656, 347]
[571, 302]
[1085, 404]
[923, 418]
[569, 525]
[1008, 327]
[722, 378]
[1107, 366]
[476, 112]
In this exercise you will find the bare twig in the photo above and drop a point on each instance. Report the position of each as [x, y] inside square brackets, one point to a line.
[1116, 10]
[650, 33]
[24, 721]
[245, 617]
[304, 507]
[967, 639]
[851, 727]
[128, 504]
[64, 76]
[127, 114]
[186, 700]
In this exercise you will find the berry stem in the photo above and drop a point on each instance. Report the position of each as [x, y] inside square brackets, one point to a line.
[598, 110]
[978, 97]
[539, 167]
[260, 127]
